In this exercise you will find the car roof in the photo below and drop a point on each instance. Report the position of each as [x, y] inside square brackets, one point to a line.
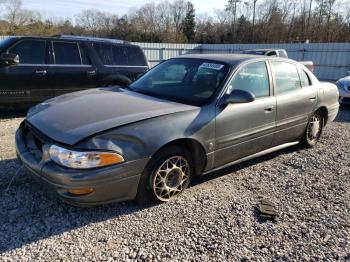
[75, 38]
[264, 49]
[233, 59]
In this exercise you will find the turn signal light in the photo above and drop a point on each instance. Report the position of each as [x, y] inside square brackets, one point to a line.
[81, 191]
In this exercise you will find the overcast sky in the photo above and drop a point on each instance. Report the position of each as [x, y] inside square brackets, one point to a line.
[68, 8]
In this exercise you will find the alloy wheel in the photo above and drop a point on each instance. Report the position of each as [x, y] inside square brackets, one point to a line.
[314, 128]
[170, 178]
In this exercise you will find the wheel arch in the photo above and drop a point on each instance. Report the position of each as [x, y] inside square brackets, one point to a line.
[195, 148]
[118, 78]
[324, 111]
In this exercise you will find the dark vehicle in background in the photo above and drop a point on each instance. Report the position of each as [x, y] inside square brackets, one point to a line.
[279, 53]
[33, 69]
[187, 116]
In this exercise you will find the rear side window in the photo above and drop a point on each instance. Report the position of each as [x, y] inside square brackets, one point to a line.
[30, 51]
[105, 52]
[66, 53]
[253, 78]
[136, 56]
[120, 55]
[304, 78]
[286, 76]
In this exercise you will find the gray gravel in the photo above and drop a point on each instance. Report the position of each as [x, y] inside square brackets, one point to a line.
[215, 219]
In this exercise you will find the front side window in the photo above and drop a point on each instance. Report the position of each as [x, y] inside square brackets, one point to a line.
[253, 78]
[183, 80]
[286, 77]
[30, 51]
[66, 53]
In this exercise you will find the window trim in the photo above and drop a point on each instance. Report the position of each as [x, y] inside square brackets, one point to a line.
[307, 75]
[7, 51]
[274, 77]
[235, 72]
[68, 42]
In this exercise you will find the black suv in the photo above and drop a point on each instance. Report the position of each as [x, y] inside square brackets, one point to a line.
[33, 69]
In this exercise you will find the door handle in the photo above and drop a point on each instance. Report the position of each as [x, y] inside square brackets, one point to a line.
[40, 72]
[269, 109]
[91, 73]
[312, 97]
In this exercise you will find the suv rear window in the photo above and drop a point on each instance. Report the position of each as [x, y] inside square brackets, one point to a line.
[30, 51]
[120, 54]
[66, 53]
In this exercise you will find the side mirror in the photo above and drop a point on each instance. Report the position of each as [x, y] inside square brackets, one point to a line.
[238, 96]
[9, 59]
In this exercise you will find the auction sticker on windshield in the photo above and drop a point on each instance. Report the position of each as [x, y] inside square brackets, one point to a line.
[211, 66]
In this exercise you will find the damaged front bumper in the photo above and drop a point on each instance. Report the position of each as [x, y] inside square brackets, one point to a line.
[110, 184]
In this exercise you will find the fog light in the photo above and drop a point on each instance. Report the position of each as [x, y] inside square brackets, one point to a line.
[80, 191]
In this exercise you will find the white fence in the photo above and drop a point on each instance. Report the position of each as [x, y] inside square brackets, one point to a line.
[332, 60]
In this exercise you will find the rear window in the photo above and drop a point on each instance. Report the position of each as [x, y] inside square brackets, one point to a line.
[120, 55]
[66, 53]
[30, 51]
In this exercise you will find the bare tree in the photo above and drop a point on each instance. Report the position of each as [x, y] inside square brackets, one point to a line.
[231, 7]
[178, 10]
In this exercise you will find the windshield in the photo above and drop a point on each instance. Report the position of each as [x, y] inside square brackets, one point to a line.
[183, 80]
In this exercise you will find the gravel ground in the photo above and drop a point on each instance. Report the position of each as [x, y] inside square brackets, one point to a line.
[215, 219]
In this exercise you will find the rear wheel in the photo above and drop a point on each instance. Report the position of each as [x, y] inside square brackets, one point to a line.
[166, 176]
[313, 130]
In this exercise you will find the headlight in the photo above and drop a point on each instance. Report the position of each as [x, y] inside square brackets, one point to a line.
[83, 160]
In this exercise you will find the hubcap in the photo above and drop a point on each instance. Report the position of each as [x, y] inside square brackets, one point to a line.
[170, 178]
[314, 127]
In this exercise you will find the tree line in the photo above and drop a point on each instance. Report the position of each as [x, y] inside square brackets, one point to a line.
[239, 21]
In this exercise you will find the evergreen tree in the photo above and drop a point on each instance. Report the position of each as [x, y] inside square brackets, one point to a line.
[189, 23]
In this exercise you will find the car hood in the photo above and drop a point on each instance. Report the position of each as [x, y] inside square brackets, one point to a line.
[345, 81]
[70, 118]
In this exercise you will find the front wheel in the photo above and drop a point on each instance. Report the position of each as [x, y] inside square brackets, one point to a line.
[313, 130]
[167, 176]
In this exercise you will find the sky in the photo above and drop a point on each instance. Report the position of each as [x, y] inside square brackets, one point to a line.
[69, 8]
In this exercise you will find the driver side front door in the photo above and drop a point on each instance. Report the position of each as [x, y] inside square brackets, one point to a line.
[247, 128]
